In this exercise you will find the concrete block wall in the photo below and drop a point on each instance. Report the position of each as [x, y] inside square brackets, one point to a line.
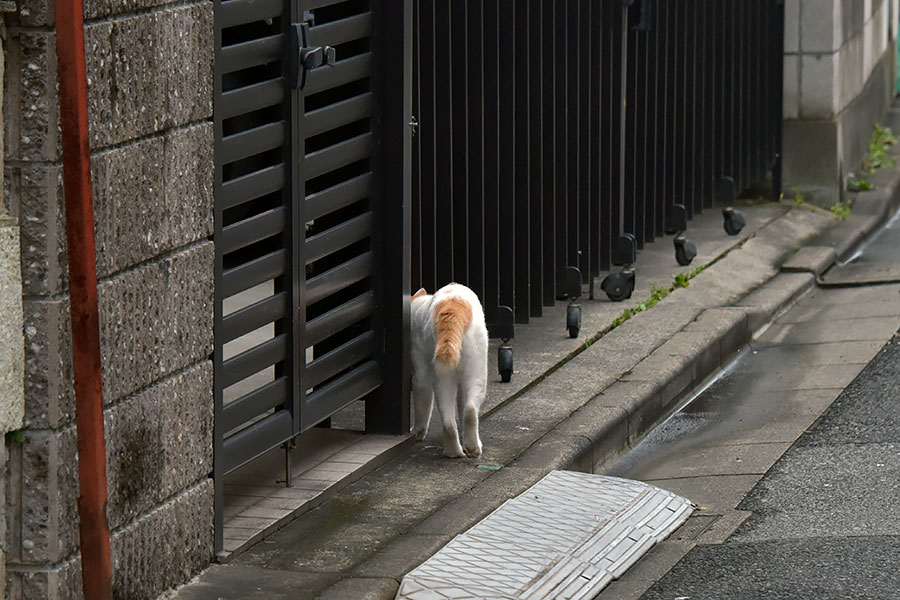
[149, 65]
[839, 74]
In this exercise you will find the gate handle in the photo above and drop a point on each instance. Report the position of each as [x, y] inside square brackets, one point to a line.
[306, 58]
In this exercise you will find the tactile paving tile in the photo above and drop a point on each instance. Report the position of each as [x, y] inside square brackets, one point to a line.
[565, 537]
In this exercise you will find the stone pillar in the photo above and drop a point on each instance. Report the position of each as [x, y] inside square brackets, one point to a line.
[149, 69]
[839, 76]
[12, 352]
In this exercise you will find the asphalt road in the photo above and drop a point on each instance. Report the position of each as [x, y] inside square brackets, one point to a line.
[793, 457]
[825, 519]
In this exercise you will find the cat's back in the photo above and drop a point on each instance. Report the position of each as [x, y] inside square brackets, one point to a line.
[462, 293]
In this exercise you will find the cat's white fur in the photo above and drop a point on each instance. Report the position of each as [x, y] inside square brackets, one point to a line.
[462, 387]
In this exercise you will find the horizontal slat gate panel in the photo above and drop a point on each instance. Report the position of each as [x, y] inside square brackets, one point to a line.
[338, 114]
[342, 357]
[253, 141]
[338, 318]
[342, 30]
[344, 71]
[251, 54]
[336, 238]
[240, 12]
[252, 230]
[336, 156]
[338, 278]
[252, 273]
[254, 360]
[338, 196]
[257, 402]
[250, 318]
[251, 186]
[334, 396]
[246, 99]
[249, 443]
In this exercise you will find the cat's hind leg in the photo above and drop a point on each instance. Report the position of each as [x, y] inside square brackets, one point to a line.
[474, 382]
[445, 395]
[470, 431]
[423, 401]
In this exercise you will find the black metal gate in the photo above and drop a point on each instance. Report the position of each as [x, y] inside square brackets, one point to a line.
[311, 218]
[550, 128]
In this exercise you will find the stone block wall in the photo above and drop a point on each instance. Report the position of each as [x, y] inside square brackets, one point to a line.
[149, 65]
[12, 352]
[839, 74]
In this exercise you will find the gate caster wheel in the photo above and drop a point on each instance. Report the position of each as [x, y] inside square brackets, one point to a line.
[573, 320]
[505, 361]
[618, 286]
[685, 250]
[734, 221]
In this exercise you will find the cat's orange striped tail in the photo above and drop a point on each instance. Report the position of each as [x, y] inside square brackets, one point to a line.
[452, 318]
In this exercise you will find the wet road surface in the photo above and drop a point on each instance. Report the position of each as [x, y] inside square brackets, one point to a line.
[792, 456]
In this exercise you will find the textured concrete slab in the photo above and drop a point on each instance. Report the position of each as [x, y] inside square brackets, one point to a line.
[832, 312]
[842, 296]
[810, 259]
[765, 301]
[862, 274]
[847, 330]
[740, 459]
[233, 582]
[566, 536]
[359, 588]
[767, 359]
[712, 494]
[822, 377]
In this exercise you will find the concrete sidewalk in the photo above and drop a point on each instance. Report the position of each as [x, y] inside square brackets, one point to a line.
[572, 405]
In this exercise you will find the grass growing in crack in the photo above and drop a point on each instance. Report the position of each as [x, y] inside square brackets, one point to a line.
[878, 157]
[657, 293]
[799, 198]
[840, 209]
[860, 184]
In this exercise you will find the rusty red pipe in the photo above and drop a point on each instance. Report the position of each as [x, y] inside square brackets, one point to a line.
[96, 565]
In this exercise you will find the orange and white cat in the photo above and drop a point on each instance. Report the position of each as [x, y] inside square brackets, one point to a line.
[449, 343]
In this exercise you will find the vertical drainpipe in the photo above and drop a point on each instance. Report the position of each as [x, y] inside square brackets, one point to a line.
[93, 527]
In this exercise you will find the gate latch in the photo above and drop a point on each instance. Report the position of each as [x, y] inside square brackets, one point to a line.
[305, 58]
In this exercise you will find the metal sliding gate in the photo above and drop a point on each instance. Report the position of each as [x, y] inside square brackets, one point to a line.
[311, 143]
[547, 129]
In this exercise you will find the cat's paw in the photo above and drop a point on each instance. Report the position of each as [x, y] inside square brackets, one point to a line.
[452, 452]
[420, 433]
[473, 451]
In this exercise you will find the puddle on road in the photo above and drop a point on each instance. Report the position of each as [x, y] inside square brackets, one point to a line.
[738, 400]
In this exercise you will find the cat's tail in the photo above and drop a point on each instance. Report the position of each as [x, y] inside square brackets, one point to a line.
[452, 318]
